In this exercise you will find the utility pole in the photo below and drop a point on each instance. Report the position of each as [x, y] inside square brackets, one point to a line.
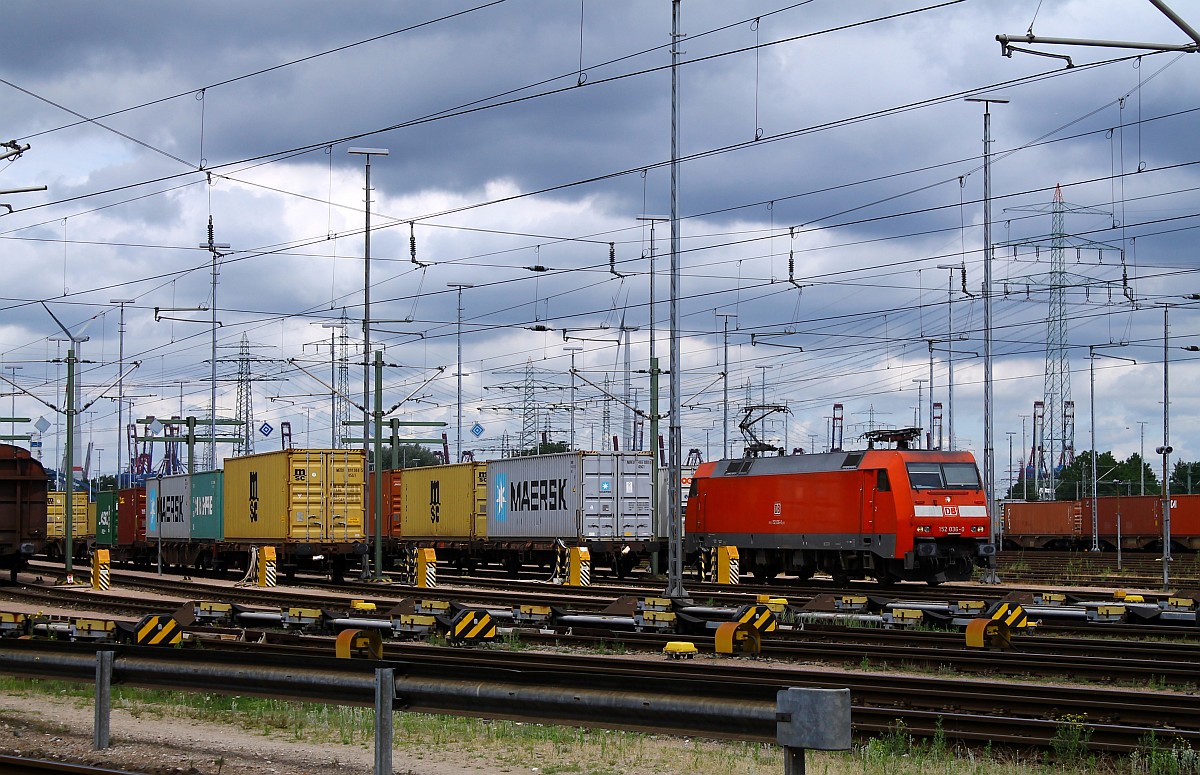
[367, 153]
[654, 413]
[120, 385]
[674, 447]
[459, 371]
[989, 464]
[725, 388]
[1142, 454]
[213, 248]
[1165, 451]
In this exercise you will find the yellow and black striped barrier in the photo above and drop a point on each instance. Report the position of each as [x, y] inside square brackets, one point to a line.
[158, 630]
[1012, 614]
[472, 626]
[759, 616]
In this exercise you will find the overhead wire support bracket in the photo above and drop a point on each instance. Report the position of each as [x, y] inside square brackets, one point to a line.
[412, 245]
[612, 260]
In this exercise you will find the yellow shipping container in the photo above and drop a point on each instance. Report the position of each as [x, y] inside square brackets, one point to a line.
[83, 515]
[444, 502]
[303, 495]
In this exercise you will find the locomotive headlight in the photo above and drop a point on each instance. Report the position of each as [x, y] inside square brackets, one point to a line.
[924, 529]
[978, 529]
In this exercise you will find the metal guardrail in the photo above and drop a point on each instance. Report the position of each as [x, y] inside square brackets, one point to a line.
[800, 718]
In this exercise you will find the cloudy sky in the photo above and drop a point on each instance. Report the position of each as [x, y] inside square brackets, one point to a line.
[831, 170]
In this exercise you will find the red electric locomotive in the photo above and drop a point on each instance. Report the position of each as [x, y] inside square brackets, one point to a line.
[888, 514]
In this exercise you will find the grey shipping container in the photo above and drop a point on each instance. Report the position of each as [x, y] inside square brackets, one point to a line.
[188, 507]
[579, 497]
[174, 507]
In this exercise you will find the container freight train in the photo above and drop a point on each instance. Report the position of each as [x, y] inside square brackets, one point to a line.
[522, 511]
[22, 508]
[306, 503]
[1133, 522]
[892, 515]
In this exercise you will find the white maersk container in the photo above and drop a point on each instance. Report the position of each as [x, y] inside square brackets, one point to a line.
[580, 497]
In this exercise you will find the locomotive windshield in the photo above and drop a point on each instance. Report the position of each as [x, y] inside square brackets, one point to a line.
[943, 476]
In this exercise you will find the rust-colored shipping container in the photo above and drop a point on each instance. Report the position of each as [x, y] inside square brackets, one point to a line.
[444, 503]
[22, 507]
[1141, 525]
[296, 495]
[391, 504]
[131, 516]
[1044, 524]
[1068, 524]
[83, 515]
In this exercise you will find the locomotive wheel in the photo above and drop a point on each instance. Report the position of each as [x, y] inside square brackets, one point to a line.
[765, 573]
[887, 578]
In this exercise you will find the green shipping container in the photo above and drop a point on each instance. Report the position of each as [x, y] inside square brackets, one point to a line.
[106, 518]
[207, 513]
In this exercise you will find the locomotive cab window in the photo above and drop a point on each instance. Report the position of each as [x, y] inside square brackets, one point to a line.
[925, 475]
[961, 475]
[942, 476]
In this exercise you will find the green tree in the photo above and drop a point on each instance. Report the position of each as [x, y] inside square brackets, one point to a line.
[1185, 477]
[546, 448]
[410, 456]
[1075, 481]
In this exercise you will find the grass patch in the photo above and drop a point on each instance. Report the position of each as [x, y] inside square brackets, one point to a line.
[501, 745]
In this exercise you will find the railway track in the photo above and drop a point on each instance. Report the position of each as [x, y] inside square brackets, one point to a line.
[1099, 568]
[16, 765]
[1115, 653]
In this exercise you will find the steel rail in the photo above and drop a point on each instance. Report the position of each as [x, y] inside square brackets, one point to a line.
[734, 700]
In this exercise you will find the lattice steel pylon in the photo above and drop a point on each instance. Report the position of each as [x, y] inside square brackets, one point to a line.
[606, 414]
[245, 402]
[1059, 428]
[342, 405]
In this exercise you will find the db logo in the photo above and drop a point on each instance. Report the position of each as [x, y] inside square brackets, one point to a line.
[949, 511]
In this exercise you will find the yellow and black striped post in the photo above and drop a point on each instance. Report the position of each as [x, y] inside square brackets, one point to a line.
[266, 566]
[580, 567]
[427, 568]
[560, 564]
[101, 579]
[728, 570]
